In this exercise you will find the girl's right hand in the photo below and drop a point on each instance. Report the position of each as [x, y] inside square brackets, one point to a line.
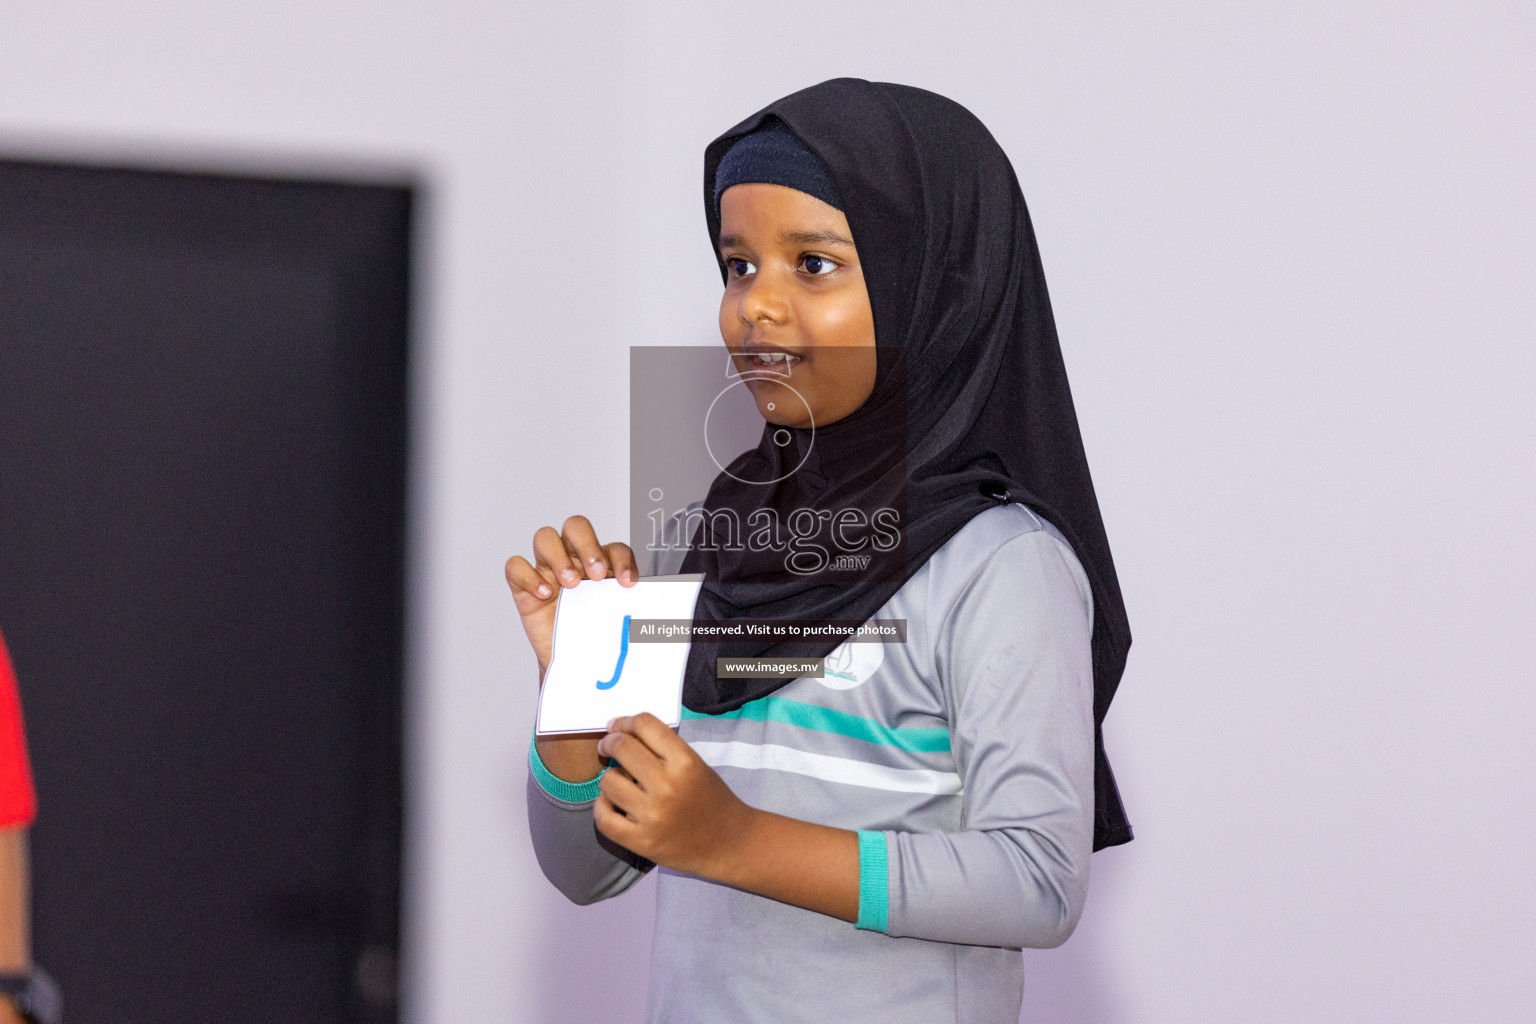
[562, 559]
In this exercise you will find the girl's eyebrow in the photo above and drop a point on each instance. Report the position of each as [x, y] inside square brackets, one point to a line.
[814, 238]
[794, 238]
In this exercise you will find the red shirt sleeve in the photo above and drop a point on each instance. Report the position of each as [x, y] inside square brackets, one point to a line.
[18, 801]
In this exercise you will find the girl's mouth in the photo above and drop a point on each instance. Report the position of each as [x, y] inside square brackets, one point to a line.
[775, 362]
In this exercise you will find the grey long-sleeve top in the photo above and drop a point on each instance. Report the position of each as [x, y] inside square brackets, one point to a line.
[963, 758]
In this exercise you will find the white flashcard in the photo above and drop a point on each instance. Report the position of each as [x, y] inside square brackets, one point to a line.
[596, 673]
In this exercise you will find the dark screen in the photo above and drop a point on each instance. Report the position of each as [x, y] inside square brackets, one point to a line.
[202, 435]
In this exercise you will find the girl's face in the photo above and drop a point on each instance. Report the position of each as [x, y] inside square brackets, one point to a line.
[795, 313]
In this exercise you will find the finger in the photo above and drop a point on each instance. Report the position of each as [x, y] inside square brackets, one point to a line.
[610, 821]
[549, 550]
[623, 793]
[523, 577]
[655, 734]
[621, 562]
[581, 539]
[634, 755]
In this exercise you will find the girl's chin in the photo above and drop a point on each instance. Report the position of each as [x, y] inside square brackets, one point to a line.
[778, 419]
[779, 404]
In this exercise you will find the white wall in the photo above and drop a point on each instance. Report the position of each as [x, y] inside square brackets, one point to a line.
[1290, 251]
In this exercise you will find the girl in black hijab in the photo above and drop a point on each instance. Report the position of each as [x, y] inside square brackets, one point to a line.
[941, 794]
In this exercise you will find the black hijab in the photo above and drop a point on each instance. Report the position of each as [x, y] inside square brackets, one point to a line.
[973, 410]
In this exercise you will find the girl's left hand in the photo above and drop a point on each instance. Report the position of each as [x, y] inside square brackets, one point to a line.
[665, 803]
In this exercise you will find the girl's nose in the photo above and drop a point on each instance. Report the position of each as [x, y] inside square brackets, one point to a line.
[762, 303]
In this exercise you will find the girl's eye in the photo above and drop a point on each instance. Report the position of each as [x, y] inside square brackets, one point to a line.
[739, 267]
[818, 265]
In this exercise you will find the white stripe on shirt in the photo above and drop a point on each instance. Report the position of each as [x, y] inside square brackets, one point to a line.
[737, 754]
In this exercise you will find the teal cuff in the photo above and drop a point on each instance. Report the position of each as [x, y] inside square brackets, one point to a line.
[570, 792]
[874, 887]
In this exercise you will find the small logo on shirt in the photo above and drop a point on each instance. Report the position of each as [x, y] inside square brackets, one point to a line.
[851, 664]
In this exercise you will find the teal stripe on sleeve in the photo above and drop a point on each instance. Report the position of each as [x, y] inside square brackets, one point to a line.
[874, 884]
[820, 719]
[570, 792]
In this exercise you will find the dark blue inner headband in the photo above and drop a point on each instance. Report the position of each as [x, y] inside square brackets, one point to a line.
[773, 155]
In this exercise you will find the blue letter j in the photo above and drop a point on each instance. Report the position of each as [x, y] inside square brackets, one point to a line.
[618, 669]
